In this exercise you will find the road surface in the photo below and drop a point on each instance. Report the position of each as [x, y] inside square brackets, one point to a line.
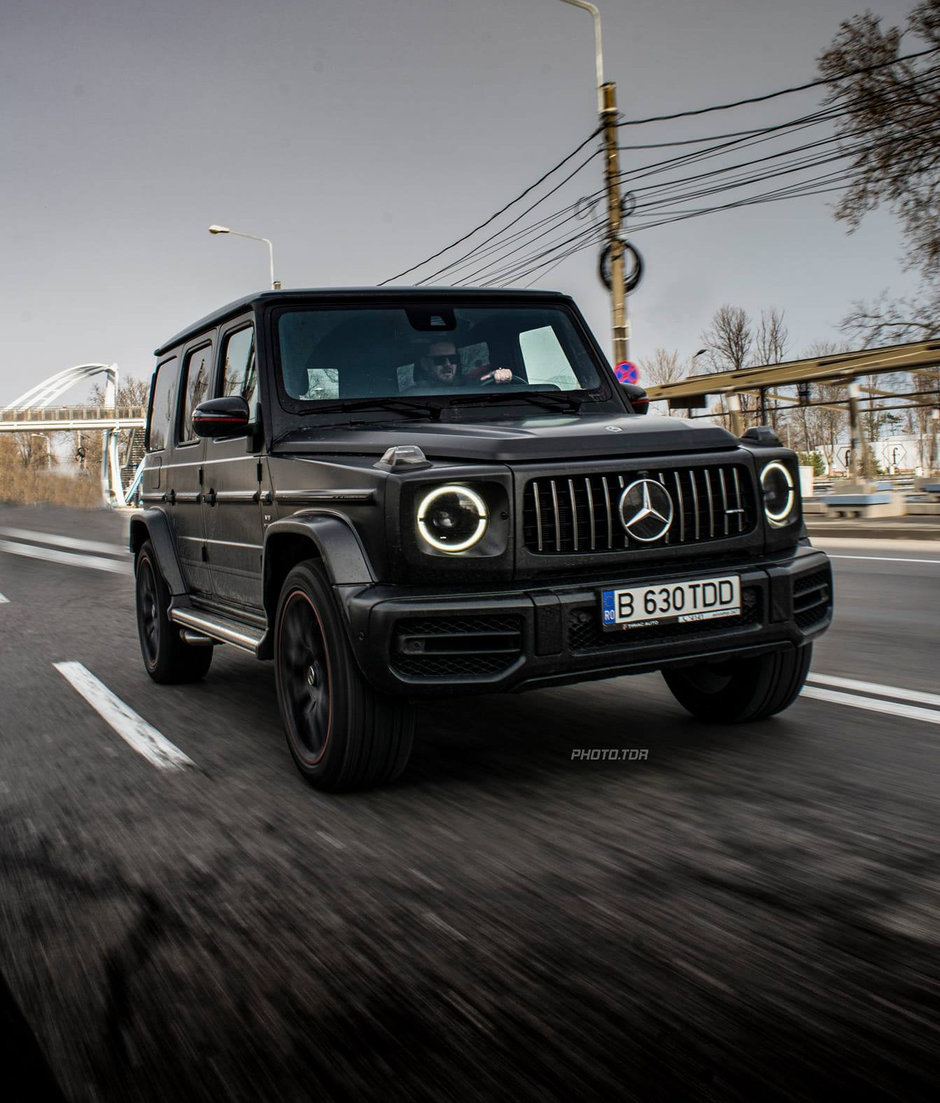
[740, 913]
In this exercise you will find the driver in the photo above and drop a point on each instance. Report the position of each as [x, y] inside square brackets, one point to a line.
[439, 367]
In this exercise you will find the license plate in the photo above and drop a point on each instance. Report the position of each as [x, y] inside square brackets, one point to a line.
[678, 602]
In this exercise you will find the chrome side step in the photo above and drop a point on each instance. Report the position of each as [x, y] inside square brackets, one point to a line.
[219, 628]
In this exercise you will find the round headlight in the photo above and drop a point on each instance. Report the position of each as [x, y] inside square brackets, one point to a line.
[779, 497]
[452, 518]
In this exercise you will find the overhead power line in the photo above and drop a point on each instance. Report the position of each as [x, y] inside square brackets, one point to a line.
[773, 95]
[502, 210]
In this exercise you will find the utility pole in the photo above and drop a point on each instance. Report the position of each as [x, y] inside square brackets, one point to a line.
[618, 294]
[607, 107]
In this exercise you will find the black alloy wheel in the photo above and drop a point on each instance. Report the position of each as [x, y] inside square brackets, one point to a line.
[304, 668]
[340, 732]
[167, 657]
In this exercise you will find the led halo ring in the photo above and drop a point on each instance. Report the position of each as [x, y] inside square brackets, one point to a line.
[781, 517]
[478, 503]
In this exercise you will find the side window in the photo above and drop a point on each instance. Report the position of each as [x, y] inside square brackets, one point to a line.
[196, 369]
[239, 374]
[162, 405]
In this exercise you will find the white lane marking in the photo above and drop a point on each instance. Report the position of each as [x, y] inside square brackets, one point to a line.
[856, 543]
[885, 559]
[64, 541]
[3, 600]
[893, 708]
[876, 688]
[133, 729]
[71, 559]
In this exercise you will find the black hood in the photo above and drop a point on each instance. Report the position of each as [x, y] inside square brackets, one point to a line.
[522, 440]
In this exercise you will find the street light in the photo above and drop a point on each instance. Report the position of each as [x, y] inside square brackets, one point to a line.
[275, 284]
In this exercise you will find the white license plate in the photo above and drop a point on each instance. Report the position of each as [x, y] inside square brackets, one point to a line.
[640, 606]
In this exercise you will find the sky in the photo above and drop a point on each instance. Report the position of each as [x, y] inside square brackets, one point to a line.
[361, 136]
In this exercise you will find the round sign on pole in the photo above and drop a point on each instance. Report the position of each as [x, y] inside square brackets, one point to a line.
[627, 372]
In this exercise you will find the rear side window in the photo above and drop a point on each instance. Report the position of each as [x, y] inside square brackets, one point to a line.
[239, 373]
[162, 404]
[196, 369]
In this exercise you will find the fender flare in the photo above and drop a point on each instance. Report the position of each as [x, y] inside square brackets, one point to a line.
[335, 540]
[154, 525]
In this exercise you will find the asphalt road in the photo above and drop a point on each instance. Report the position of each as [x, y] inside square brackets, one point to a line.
[739, 913]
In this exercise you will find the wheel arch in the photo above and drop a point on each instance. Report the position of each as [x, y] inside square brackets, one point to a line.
[321, 536]
[154, 525]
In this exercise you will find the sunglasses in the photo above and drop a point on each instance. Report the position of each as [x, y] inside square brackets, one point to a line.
[444, 358]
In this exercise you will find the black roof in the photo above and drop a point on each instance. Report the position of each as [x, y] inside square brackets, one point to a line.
[388, 295]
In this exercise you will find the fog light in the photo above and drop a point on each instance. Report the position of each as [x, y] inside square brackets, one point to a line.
[452, 518]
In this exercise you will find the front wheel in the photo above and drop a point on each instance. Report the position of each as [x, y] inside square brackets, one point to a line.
[739, 690]
[341, 733]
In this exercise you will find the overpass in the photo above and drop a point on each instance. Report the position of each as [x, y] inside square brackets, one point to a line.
[35, 411]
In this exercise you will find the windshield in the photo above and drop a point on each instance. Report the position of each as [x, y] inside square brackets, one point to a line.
[335, 354]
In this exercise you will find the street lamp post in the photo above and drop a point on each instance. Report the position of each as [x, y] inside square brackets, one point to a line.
[607, 109]
[275, 284]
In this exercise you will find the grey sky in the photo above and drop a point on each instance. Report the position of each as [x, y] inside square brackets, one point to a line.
[363, 135]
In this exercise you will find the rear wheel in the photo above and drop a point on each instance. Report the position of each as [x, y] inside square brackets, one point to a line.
[166, 656]
[341, 733]
[739, 690]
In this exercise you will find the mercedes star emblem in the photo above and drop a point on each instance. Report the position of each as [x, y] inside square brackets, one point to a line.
[646, 510]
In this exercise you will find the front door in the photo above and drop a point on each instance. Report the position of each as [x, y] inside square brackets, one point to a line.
[184, 476]
[231, 492]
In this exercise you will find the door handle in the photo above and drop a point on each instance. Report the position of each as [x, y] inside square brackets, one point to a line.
[210, 497]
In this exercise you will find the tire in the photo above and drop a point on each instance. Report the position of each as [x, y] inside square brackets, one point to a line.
[341, 733]
[742, 689]
[167, 658]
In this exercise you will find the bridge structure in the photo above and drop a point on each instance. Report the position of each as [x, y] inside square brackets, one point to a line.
[37, 411]
[762, 380]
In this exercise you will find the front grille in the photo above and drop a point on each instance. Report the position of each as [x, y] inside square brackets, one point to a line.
[586, 634]
[456, 646]
[812, 598]
[569, 515]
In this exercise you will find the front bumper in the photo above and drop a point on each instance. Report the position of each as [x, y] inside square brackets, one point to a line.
[425, 644]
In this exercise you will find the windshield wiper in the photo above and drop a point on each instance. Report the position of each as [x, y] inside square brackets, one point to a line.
[550, 400]
[403, 405]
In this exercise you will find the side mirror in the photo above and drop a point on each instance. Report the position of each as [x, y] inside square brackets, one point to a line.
[221, 417]
[636, 396]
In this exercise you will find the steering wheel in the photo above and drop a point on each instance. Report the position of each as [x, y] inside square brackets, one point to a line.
[491, 382]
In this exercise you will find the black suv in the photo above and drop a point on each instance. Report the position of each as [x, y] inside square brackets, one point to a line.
[411, 492]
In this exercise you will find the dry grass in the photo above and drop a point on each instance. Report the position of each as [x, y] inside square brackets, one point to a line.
[29, 486]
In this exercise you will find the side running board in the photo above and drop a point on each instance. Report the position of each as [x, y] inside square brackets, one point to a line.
[219, 628]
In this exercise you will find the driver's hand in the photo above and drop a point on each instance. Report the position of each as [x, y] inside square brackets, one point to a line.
[501, 375]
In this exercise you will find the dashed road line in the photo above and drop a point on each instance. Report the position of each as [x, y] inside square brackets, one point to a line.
[885, 559]
[874, 704]
[4, 600]
[71, 559]
[133, 729]
[34, 537]
[876, 688]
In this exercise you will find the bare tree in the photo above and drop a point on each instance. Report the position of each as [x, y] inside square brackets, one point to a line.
[890, 125]
[887, 322]
[730, 342]
[891, 128]
[664, 366]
